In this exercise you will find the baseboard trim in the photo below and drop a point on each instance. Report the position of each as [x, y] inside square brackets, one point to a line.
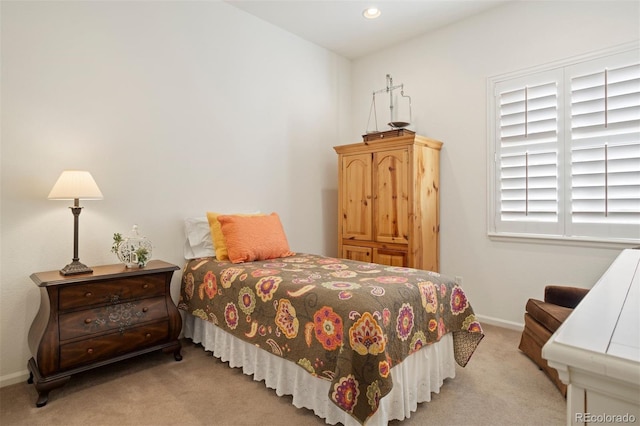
[13, 378]
[500, 322]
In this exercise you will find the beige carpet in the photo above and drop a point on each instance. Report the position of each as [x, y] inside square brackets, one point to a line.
[499, 386]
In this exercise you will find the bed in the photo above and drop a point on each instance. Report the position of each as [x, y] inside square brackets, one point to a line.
[356, 342]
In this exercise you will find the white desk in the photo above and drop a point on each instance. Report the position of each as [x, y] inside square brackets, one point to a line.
[597, 349]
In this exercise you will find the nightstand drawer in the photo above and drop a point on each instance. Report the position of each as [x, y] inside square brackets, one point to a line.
[112, 291]
[111, 317]
[110, 345]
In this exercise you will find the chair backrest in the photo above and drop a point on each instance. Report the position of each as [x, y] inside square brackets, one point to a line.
[566, 296]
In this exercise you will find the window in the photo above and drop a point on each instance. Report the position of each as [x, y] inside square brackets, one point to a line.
[564, 144]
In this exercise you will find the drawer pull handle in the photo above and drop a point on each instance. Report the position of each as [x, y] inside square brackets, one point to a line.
[145, 309]
[88, 321]
[147, 335]
[90, 351]
[88, 294]
[146, 286]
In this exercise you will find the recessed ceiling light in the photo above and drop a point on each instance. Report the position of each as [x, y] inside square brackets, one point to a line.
[371, 13]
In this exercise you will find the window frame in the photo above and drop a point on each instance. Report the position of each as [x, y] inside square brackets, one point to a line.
[547, 236]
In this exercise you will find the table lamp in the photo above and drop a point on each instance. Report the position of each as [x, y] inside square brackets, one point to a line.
[75, 185]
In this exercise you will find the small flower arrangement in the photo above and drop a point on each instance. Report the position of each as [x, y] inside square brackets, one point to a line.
[132, 251]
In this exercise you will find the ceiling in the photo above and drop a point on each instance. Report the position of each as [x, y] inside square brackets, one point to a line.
[338, 25]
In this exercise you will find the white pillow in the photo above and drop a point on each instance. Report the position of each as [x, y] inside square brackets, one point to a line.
[198, 238]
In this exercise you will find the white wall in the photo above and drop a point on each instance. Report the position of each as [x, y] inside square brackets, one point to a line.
[445, 72]
[176, 108]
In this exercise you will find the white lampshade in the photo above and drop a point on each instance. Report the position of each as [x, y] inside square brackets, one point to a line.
[75, 184]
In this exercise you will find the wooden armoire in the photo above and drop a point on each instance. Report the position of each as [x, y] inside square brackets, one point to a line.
[388, 200]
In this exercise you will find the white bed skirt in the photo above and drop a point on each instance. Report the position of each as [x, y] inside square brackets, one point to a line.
[414, 379]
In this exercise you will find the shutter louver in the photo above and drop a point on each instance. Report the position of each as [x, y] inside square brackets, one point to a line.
[605, 147]
[529, 153]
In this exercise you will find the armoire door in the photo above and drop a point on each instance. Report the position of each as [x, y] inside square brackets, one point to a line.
[356, 200]
[391, 196]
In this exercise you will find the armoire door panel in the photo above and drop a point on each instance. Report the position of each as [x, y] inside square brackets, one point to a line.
[356, 197]
[391, 189]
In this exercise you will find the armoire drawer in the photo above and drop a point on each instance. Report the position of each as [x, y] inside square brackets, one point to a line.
[111, 291]
[110, 345]
[111, 317]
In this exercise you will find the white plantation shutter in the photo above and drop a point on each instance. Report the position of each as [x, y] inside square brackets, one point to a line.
[605, 147]
[527, 154]
[566, 144]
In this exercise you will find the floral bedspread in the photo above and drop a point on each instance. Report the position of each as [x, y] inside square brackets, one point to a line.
[344, 321]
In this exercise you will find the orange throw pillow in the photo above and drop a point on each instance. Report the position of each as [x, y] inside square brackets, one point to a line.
[219, 243]
[250, 238]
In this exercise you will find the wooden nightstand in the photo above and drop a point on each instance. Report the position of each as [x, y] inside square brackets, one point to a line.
[90, 320]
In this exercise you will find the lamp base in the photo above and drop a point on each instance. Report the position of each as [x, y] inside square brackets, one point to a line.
[75, 267]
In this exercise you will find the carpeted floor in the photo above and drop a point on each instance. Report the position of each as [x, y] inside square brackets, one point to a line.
[499, 386]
